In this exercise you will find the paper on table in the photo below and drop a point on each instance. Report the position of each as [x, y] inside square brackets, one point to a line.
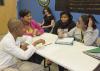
[40, 45]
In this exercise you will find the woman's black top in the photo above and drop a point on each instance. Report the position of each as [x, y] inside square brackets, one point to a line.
[66, 25]
[47, 21]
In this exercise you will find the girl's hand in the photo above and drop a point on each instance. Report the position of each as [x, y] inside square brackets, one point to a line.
[60, 33]
[43, 27]
[24, 46]
[34, 33]
[90, 22]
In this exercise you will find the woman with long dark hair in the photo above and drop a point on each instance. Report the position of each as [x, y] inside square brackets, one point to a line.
[48, 20]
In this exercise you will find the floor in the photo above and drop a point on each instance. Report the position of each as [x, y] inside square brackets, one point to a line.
[54, 67]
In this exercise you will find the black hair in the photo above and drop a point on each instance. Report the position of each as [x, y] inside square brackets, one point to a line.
[23, 12]
[48, 9]
[94, 21]
[85, 19]
[66, 13]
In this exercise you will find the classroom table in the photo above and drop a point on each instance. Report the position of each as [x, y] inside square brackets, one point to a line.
[68, 56]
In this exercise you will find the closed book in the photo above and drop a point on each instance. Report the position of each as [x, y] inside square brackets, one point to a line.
[66, 41]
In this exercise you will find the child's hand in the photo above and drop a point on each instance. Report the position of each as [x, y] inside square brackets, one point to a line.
[43, 27]
[39, 41]
[24, 46]
[34, 32]
[38, 33]
[60, 33]
[90, 22]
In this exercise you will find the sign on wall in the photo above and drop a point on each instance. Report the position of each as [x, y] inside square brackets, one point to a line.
[83, 6]
[44, 3]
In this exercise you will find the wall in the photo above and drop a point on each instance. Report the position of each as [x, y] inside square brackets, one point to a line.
[7, 11]
[36, 10]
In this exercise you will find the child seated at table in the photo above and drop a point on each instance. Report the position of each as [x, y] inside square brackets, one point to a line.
[32, 27]
[86, 30]
[48, 20]
[64, 25]
[12, 57]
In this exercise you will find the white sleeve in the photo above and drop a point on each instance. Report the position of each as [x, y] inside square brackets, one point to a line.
[71, 32]
[90, 36]
[18, 52]
[24, 38]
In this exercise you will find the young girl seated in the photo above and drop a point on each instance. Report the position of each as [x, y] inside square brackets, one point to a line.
[85, 30]
[64, 25]
[31, 26]
[32, 29]
[48, 20]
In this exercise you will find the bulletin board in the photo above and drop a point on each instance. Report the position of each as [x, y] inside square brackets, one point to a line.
[82, 6]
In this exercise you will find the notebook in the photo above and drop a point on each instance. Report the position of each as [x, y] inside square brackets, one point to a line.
[66, 41]
[95, 53]
[96, 50]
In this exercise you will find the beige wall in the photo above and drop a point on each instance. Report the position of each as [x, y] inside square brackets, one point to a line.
[7, 11]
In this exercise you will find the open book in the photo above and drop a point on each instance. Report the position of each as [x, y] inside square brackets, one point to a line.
[68, 40]
[95, 53]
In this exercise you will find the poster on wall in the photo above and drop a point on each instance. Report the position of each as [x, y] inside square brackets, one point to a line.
[82, 6]
[43, 3]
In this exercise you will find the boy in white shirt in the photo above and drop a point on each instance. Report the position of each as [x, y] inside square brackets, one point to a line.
[10, 53]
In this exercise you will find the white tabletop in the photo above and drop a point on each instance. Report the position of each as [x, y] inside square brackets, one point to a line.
[68, 56]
